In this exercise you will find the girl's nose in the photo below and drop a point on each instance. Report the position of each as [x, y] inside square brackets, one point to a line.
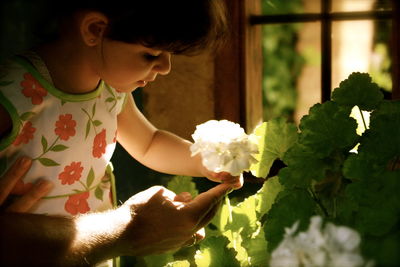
[163, 65]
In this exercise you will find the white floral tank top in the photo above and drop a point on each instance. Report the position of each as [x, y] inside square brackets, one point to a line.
[70, 138]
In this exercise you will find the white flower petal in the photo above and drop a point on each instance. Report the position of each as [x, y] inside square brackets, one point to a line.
[224, 146]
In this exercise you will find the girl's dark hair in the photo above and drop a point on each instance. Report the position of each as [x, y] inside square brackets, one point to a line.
[177, 26]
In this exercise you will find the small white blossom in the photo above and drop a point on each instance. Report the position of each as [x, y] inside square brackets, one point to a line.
[332, 246]
[224, 147]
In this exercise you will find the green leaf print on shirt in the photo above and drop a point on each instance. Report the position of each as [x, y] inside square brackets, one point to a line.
[91, 121]
[64, 129]
[112, 99]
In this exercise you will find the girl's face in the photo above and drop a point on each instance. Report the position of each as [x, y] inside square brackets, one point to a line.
[126, 66]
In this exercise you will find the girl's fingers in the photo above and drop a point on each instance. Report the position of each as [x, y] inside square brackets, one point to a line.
[235, 181]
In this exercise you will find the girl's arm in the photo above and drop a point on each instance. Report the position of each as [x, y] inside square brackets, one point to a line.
[156, 149]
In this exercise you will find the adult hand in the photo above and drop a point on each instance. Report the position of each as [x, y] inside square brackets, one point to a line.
[10, 180]
[162, 221]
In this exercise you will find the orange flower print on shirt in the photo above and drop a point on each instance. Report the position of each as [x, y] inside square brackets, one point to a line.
[26, 134]
[71, 173]
[65, 127]
[77, 203]
[33, 89]
[99, 144]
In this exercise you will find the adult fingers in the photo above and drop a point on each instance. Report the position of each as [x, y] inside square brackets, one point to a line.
[207, 201]
[196, 237]
[26, 202]
[13, 174]
[210, 215]
[183, 197]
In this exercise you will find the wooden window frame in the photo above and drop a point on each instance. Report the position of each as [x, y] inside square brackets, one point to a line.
[238, 67]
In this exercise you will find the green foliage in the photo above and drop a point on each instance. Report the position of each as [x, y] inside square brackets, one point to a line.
[214, 253]
[282, 63]
[323, 177]
[358, 90]
[275, 137]
[179, 184]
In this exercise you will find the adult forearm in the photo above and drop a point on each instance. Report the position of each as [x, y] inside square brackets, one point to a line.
[29, 239]
[40, 240]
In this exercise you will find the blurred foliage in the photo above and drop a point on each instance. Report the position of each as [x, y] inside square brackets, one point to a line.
[282, 63]
[381, 65]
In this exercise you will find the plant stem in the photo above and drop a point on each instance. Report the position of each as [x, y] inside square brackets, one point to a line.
[319, 203]
[228, 204]
[362, 117]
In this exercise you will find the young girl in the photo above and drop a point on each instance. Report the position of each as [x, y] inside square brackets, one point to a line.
[67, 102]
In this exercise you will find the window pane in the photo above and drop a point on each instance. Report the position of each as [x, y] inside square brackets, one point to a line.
[291, 71]
[360, 5]
[275, 7]
[362, 46]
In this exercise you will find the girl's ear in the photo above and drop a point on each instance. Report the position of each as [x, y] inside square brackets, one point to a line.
[92, 27]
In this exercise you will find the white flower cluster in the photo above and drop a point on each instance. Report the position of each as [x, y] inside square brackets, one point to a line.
[224, 147]
[333, 246]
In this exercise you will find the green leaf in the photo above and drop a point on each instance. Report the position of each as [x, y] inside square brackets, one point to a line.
[90, 178]
[48, 162]
[358, 90]
[266, 196]
[257, 248]
[110, 99]
[159, 260]
[293, 205]
[44, 144]
[276, 137]
[381, 143]
[25, 116]
[214, 253]
[179, 184]
[220, 220]
[378, 204]
[183, 263]
[88, 125]
[58, 148]
[302, 167]
[328, 128]
[235, 238]
[94, 110]
[97, 123]
[99, 193]
[244, 216]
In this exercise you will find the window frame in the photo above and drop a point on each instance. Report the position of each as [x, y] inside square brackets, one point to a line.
[238, 68]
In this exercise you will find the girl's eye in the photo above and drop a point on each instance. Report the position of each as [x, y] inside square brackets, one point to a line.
[151, 57]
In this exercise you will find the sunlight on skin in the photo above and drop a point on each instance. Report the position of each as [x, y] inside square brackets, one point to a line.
[112, 223]
[108, 224]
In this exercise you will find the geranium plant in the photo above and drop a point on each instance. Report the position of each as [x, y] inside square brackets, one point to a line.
[348, 179]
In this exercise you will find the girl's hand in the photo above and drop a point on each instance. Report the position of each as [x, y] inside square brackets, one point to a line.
[224, 177]
[10, 179]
